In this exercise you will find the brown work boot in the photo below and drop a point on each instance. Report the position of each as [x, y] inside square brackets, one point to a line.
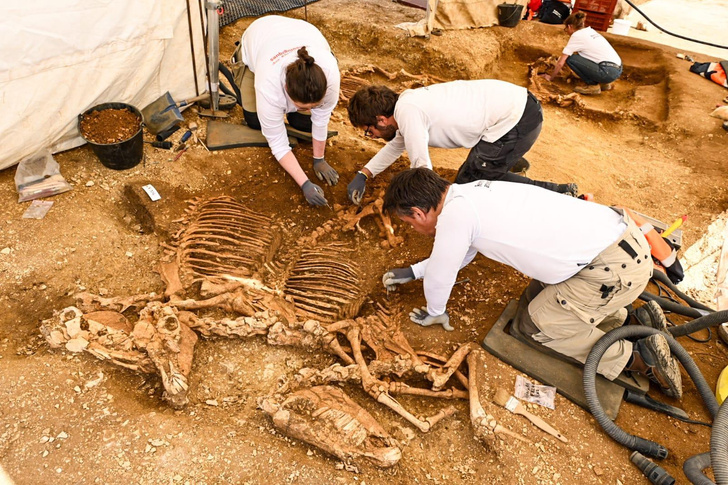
[650, 315]
[590, 89]
[606, 86]
[651, 357]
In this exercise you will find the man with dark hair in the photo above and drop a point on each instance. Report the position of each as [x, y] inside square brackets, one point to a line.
[591, 260]
[498, 121]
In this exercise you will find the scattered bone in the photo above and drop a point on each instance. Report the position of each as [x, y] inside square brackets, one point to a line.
[158, 343]
[220, 237]
[88, 302]
[325, 285]
[76, 344]
[351, 81]
[327, 418]
[222, 247]
[351, 220]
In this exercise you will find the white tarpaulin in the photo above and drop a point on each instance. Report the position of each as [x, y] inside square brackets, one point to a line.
[457, 14]
[61, 57]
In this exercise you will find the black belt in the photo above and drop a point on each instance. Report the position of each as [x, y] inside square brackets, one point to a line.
[609, 64]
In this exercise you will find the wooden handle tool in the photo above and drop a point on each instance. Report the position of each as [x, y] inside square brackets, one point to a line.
[513, 405]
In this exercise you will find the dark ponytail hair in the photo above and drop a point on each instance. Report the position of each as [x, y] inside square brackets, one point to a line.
[305, 80]
[576, 20]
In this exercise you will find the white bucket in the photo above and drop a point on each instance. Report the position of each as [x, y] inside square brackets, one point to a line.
[621, 26]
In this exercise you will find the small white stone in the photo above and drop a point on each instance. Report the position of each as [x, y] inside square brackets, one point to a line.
[45, 453]
[129, 254]
[211, 402]
[5, 251]
[62, 435]
[94, 382]
[90, 183]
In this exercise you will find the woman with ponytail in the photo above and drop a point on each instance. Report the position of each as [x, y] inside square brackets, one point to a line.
[590, 56]
[291, 73]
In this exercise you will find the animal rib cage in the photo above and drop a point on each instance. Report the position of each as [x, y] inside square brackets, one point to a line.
[223, 237]
[325, 285]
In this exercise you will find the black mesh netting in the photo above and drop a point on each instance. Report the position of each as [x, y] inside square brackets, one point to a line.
[235, 9]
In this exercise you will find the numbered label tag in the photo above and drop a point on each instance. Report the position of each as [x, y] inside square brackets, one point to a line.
[152, 192]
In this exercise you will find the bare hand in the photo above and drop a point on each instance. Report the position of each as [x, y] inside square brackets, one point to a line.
[546, 77]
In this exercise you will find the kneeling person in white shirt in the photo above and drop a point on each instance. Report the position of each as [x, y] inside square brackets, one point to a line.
[497, 120]
[289, 70]
[591, 260]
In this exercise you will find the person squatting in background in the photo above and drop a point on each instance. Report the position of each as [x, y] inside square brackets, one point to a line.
[497, 120]
[289, 70]
[590, 56]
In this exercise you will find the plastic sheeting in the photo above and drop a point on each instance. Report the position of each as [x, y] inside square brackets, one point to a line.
[61, 57]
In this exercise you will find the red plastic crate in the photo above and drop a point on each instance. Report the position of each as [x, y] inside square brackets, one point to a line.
[597, 20]
[597, 6]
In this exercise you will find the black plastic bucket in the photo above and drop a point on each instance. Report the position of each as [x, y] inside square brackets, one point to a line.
[120, 155]
[509, 14]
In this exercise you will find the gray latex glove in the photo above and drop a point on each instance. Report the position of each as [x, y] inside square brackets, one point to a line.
[397, 276]
[324, 171]
[356, 188]
[424, 319]
[313, 193]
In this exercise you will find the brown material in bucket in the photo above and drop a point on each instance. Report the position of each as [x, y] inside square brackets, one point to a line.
[114, 131]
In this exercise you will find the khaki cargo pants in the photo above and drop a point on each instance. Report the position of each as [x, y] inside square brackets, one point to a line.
[567, 313]
[300, 120]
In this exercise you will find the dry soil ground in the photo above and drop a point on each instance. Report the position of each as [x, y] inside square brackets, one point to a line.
[649, 145]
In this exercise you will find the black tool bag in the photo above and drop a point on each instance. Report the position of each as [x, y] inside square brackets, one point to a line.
[553, 12]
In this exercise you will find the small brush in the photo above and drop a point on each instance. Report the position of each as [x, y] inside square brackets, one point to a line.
[503, 398]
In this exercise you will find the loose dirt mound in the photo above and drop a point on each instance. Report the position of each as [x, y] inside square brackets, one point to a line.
[71, 419]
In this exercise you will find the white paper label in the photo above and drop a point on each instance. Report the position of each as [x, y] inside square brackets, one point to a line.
[152, 192]
[541, 395]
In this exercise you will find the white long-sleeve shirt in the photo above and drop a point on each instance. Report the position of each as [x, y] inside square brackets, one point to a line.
[269, 45]
[456, 114]
[544, 235]
[591, 45]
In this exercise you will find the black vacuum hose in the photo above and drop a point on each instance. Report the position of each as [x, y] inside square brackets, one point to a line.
[646, 447]
[672, 306]
[668, 32]
[719, 445]
[711, 320]
[694, 466]
[662, 278]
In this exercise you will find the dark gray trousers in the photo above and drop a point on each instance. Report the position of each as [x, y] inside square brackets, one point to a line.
[592, 73]
[492, 161]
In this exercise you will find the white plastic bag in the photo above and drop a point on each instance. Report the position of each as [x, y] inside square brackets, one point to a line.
[39, 176]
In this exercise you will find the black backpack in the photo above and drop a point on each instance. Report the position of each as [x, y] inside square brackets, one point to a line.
[553, 12]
